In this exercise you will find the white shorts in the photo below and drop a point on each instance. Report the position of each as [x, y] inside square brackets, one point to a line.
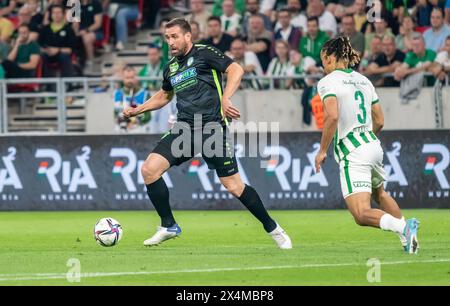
[362, 170]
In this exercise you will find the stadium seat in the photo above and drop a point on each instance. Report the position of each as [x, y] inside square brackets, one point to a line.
[137, 24]
[421, 29]
[14, 20]
[106, 26]
[30, 87]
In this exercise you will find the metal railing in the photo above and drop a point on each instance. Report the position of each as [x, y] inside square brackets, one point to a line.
[83, 88]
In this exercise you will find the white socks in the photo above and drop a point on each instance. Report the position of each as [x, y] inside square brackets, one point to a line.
[390, 223]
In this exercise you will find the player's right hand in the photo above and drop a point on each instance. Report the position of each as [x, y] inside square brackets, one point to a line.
[229, 110]
[129, 112]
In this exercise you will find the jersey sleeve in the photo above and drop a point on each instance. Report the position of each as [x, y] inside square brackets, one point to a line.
[166, 85]
[326, 88]
[216, 59]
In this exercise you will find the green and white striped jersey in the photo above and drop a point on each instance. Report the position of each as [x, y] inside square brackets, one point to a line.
[355, 95]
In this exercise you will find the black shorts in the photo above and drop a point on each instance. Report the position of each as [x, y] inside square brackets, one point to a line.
[214, 145]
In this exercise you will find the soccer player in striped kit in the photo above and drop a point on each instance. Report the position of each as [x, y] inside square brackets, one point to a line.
[353, 117]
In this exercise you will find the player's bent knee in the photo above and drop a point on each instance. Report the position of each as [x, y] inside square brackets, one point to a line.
[150, 172]
[234, 188]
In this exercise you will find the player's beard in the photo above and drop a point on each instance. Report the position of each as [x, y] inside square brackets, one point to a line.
[179, 52]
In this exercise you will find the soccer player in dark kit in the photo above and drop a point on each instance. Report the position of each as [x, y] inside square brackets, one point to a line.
[194, 75]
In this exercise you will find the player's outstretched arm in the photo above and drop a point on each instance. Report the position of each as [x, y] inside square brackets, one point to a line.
[234, 76]
[377, 118]
[331, 117]
[157, 101]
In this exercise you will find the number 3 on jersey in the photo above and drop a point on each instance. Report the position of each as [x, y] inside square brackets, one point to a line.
[359, 95]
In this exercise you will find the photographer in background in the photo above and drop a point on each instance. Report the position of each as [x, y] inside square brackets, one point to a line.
[131, 94]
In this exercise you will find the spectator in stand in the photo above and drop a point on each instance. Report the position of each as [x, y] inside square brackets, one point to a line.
[129, 95]
[248, 61]
[231, 20]
[57, 41]
[376, 11]
[386, 62]
[280, 65]
[340, 8]
[199, 14]
[48, 10]
[303, 65]
[259, 40]
[311, 44]
[24, 57]
[419, 59]
[7, 7]
[371, 54]
[422, 12]
[443, 59]
[6, 30]
[287, 32]
[357, 39]
[25, 17]
[125, 11]
[89, 30]
[404, 38]
[403, 9]
[381, 30]
[36, 17]
[253, 10]
[239, 7]
[436, 35]
[298, 18]
[327, 22]
[161, 42]
[154, 68]
[360, 14]
[216, 37]
[195, 31]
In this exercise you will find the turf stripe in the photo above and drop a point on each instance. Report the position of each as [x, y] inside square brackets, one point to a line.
[49, 276]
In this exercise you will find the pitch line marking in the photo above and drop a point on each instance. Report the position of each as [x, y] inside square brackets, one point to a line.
[50, 276]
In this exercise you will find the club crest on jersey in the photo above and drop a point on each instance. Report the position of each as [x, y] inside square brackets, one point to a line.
[190, 61]
[173, 67]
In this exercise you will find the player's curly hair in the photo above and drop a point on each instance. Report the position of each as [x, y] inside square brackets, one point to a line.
[342, 49]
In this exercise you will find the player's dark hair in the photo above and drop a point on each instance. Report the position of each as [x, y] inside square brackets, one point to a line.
[438, 9]
[57, 6]
[348, 16]
[313, 18]
[154, 46]
[24, 25]
[181, 23]
[215, 18]
[285, 10]
[448, 38]
[128, 68]
[342, 49]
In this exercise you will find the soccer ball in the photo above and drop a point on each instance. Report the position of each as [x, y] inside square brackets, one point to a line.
[108, 232]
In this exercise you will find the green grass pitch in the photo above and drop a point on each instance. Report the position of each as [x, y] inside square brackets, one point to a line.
[219, 248]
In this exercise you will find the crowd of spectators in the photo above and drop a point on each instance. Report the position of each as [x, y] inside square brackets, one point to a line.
[62, 41]
[396, 39]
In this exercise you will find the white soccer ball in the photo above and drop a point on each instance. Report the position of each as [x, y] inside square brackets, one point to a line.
[108, 232]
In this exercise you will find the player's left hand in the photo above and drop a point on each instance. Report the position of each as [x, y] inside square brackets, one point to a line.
[320, 159]
[229, 110]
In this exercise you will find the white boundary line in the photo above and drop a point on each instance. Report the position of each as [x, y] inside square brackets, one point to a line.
[49, 276]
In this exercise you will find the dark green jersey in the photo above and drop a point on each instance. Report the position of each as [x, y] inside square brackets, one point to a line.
[196, 79]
